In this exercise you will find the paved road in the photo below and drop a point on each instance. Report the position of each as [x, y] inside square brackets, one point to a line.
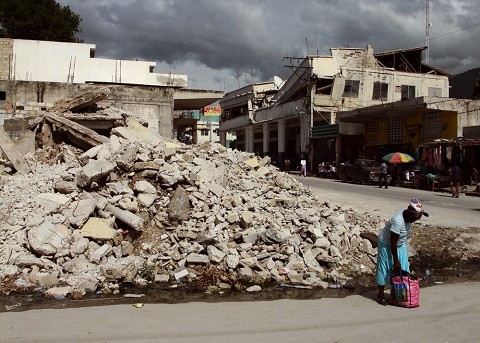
[447, 313]
[443, 209]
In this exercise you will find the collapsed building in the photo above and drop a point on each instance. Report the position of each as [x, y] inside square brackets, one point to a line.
[35, 74]
[87, 212]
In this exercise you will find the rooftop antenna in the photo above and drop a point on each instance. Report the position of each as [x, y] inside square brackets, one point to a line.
[428, 24]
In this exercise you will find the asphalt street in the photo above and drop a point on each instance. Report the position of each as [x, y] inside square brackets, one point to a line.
[447, 313]
[444, 210]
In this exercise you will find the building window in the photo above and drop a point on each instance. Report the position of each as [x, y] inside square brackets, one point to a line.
[3, 95]
[380, 91]
[371, 126]
[395, 130]
[324, 86]
[408, 92]
[204, 132]
[431, 126]
[434, 91]
[351, 88]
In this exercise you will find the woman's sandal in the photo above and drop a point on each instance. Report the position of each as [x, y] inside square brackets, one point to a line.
[382, 301]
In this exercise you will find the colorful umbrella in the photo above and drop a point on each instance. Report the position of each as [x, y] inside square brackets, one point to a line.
[398, 157]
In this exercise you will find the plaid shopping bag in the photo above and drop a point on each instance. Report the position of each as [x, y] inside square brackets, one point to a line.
[405, 289]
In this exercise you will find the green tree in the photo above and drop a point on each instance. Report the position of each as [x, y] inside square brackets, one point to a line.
[476, 88]
[38, 20]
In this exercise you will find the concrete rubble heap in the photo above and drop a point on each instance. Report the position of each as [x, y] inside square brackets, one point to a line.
[141, 209]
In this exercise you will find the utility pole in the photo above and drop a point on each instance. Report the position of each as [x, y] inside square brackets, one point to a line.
[427, 30]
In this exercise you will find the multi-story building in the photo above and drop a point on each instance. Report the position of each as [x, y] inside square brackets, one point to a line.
[305, 116]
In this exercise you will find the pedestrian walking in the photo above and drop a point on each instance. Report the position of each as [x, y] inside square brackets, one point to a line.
[287, 165]
[303, 167]
[455, 179]
[383, 174]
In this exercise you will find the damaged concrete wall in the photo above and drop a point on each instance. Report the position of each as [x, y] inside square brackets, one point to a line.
[152, 104]
[6, 51]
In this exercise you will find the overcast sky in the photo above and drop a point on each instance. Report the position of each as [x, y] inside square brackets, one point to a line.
[221, 44]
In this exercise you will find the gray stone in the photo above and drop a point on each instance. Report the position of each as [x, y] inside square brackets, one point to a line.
[115, 144]
[215, 255]
[94, 171]
[277, 234]
[197, 259]
[179, 206]
[58, 293]
[232, 261]
[253, 289]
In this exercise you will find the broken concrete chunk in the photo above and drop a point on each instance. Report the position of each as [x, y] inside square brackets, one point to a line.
[215, 189]
[79, 211]
[197, 258]
[252, 162]
[98, 228]
[101, 252]
[144, 187]
[48, 238]
[51, 202]
[127, 159]
[214, 254]
[180, 273]
[94, 171]
[149, 165]
[134, 131]
[129, 204]
[130, 219]
[65, 187]
[146, 200]
[58, 293]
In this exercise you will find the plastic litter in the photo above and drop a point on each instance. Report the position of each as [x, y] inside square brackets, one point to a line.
[133, 295]
[137, 305]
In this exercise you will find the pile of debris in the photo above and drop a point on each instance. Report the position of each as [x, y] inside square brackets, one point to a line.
[137, 208]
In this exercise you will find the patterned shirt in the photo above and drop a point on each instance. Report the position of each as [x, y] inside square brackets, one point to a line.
[397, 225]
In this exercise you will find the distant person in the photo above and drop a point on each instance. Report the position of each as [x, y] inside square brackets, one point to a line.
[303, 167]
[383, 175]
[287, 165]
[392, 247]
[455, 179]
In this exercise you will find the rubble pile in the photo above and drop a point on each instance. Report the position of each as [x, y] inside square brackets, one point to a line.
[141, 209]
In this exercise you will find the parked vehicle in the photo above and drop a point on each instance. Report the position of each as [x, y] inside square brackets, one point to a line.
[361, 170]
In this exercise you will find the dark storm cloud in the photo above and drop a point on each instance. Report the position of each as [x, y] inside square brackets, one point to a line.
[232, 37]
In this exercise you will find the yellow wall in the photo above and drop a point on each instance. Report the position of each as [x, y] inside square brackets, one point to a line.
[413, 130]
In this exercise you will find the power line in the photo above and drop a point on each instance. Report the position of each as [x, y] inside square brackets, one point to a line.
[445, 34]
